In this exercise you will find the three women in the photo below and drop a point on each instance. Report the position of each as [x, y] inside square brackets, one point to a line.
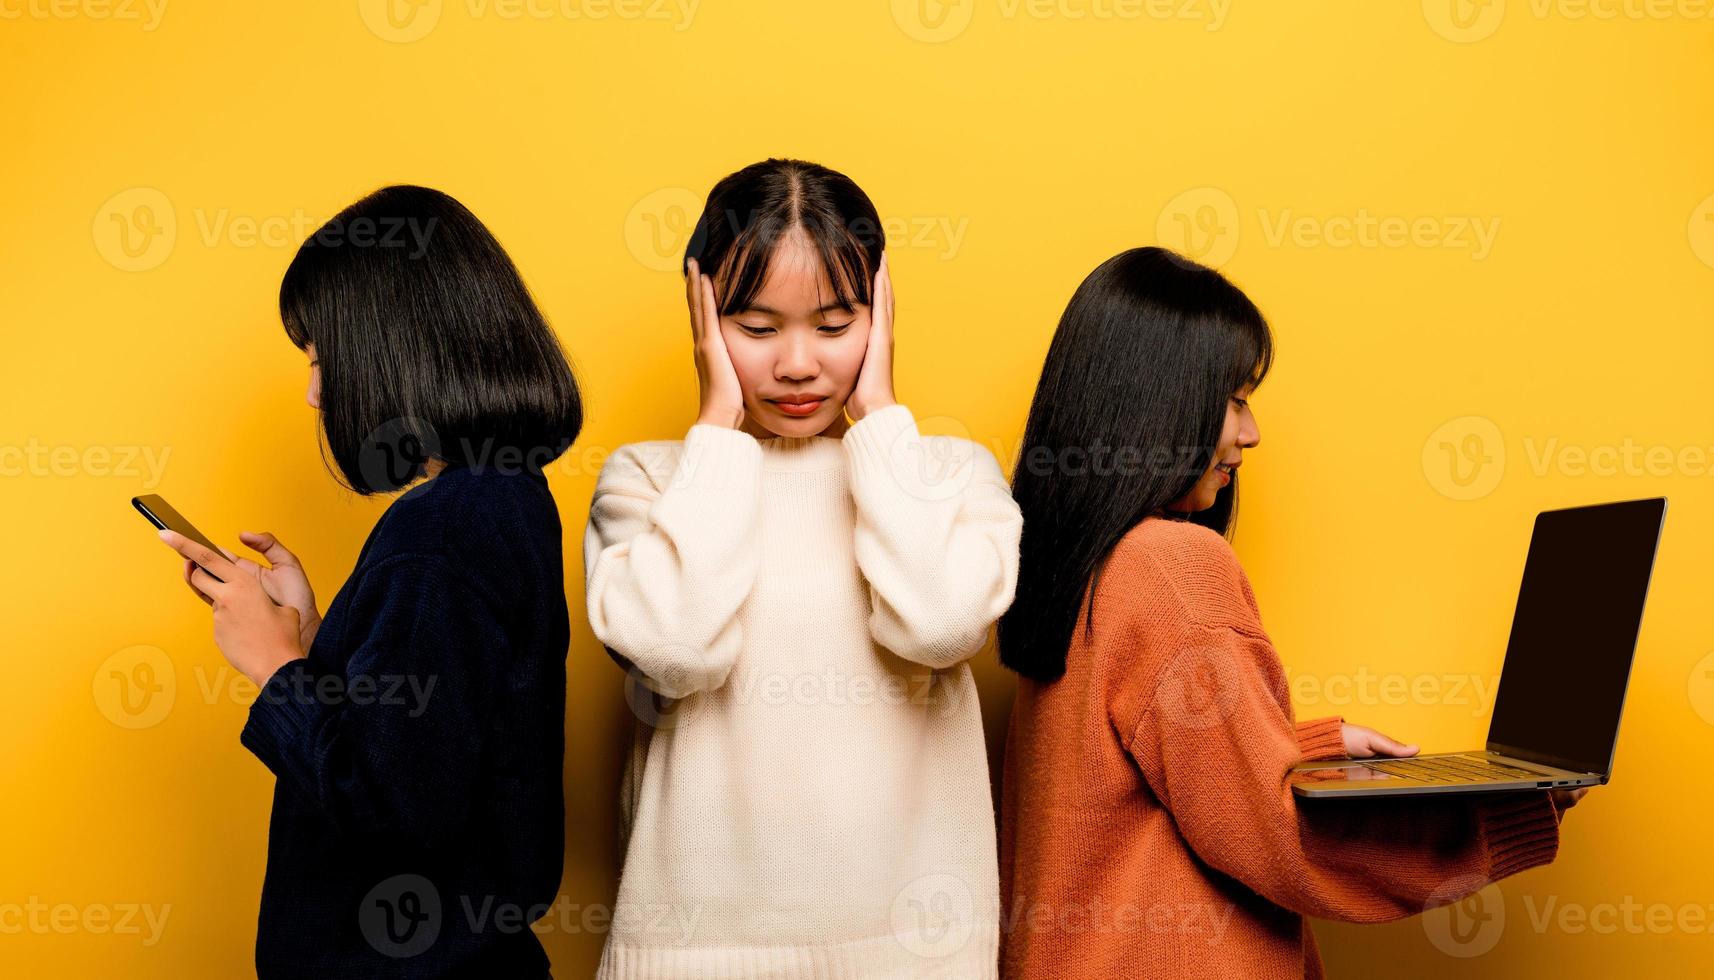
[794, 590]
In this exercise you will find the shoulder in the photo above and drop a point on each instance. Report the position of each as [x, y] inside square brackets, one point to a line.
[470, 512]
[644, 467]
[1190, 565]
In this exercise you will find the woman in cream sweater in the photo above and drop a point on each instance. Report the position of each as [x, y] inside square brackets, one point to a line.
[794, 596]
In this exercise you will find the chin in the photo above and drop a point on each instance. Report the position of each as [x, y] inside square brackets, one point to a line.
[781, 424]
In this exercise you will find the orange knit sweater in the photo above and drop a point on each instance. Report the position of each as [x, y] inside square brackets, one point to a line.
[1147, 829]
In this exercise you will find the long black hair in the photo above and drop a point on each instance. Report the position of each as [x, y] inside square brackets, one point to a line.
[1127, 417]
[751, 211]
[429, 343]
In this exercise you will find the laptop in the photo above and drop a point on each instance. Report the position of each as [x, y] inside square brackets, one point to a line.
[1556, 716]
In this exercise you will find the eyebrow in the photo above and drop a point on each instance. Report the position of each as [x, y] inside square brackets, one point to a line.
[770, 311]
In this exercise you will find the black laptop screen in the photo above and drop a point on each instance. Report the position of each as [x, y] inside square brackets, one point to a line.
[1574, 632]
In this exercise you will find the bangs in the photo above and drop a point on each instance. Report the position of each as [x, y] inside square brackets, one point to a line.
[844, 258]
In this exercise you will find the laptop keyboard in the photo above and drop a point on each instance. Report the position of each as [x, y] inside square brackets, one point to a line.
[1450, 769]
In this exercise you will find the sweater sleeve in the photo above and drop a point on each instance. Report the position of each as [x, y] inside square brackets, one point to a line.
[936, 537]
[393, 742]
[668, 567]
[1321, 739]
[1215, 744]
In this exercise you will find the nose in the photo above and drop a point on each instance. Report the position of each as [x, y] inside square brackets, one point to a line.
[797, 361]
[1249, 434]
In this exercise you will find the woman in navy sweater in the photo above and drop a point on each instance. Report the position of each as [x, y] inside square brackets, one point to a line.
[417, 730]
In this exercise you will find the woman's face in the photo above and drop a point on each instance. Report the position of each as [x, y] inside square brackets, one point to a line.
[313, 395]
[795, 349]
[1238, 434]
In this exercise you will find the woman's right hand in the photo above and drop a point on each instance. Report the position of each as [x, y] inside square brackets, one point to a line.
[283, 580]
[722, 398]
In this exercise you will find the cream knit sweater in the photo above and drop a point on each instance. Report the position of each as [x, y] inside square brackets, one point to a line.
[807, 795]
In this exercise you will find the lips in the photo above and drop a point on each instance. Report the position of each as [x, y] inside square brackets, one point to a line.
[799, 405]
[1227, 471]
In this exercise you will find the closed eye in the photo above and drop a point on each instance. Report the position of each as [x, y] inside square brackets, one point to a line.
[834, 330]
[755, 331]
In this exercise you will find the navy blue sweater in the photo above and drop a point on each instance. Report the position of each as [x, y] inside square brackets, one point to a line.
[418, 821]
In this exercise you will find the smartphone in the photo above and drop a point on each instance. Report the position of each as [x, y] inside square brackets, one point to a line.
[163, 516]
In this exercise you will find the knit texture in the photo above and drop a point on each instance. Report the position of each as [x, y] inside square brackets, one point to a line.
[1148, 829]
[418, 820]
[807, 792]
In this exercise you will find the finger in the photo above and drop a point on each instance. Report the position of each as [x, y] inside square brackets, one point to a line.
[693, 298]
[711, 313]
[205, 583]
[1390, 746]
[209, 560]
[885, 278]
[270, 547]
[190, 567]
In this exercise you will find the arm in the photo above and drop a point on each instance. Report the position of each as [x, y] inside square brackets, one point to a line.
[936, 537]
[394, 743]
[1215, 743]
[667, 567]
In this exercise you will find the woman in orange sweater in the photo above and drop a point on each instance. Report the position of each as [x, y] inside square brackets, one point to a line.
[1147, 825]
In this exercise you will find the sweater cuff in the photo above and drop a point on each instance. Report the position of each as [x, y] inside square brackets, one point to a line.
[1522, 831]
[284, 710]
[1320, 739]
[871, 444]
[718, 458]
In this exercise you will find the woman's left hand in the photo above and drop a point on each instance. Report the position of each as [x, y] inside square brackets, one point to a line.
[1366, 743]
[874, 389]
[255, 635]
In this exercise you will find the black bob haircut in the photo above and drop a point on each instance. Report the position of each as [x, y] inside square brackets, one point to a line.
[751, 211]
[1139, 373]
[429, 343]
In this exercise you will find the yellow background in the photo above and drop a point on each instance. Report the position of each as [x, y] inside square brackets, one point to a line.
[1015, 147]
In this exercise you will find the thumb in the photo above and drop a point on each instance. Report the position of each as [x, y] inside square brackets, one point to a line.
[269, 546]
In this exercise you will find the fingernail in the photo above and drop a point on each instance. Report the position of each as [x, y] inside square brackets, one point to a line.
[162, 534]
